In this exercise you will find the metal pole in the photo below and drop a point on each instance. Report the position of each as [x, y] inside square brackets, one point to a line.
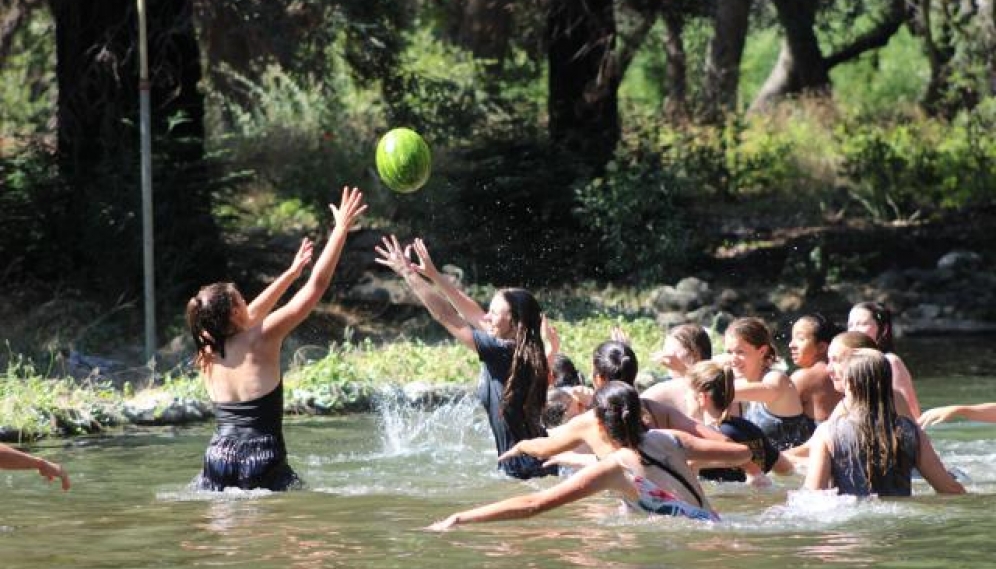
[148, 259]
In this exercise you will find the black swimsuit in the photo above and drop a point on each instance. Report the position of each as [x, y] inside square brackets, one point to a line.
[247, 450]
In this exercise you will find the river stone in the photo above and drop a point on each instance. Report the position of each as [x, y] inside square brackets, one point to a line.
[960, 261]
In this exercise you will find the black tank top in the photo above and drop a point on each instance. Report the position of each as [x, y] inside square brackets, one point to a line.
[261, 416]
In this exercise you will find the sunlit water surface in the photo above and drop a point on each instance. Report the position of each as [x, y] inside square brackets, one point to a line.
[375, 481]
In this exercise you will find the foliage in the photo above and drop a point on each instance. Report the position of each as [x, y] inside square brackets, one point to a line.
[27, 79]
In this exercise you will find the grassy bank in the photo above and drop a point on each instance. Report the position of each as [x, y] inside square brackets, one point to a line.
[341, 378]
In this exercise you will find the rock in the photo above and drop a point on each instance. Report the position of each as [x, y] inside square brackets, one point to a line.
[891, 279]
[669, 319]
[728, 298]
[960, 261]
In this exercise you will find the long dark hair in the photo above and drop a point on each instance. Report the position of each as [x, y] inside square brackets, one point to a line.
[526, 387]
[619, 411]
[868, 377]
[883, 317]
[615, 361]
[209, 318]
[716, 381]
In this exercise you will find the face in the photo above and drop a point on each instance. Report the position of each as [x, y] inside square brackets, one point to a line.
[837, 355]
[746, 360]
[499, 319]
[862, 320]
[805, 350]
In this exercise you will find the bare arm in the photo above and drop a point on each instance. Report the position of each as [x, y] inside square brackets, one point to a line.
[902, 382]
[932, 469]
[712, 452]
[391, 255]
[668, 416]
[266, 300]
[818, 473]
[468, 308]
[603, 475]
[13, 459]
[279, 323]
[985, 412]
[561, 439]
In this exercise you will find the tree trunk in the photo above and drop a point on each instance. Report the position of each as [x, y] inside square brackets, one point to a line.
[485, 28]
[98, 145]
[676, 67]
[800, 67]
[583, 81]
[731, 19]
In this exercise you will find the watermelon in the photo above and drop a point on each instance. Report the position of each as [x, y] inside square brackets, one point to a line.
[404, 161]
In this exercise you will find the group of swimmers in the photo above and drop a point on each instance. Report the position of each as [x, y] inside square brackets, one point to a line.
[848, 412]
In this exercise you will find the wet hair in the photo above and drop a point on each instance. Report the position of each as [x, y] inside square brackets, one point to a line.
[868, 377]
[823, 329]
[615, 361]
[755, 332]
[619, 411]
[565, 373]
[883, 318]
[524, 395]
[209, 318]
[716, 381]
[695, 339]
[854, 340]
[558, 401]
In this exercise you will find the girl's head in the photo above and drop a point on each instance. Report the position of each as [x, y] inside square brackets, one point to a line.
[684, 345]
[562, 405]
[714, 384]
[613, 361]
[840, 350]
[811, 336]
[565, 373]
[875, 320]
[515, 315]
[748, 342]
[619, 412]
[214, 314]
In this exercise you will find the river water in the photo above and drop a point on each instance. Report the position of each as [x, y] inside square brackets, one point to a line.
[375, 481]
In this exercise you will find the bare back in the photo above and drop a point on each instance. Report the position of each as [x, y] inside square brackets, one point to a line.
[816, 391]
[249, 370]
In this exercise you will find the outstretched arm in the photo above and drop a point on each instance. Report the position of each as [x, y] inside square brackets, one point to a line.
[393, 256]
[468, 308]
[13, 459]
[279, 323]
[603, 475]
[985, 412]
[561, 439]
[266, 300]
[707, 452]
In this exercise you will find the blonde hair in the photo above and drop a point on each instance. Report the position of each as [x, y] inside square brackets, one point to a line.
[717, 382]
[868, 377]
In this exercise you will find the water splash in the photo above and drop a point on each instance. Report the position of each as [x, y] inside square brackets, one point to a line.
[411, 428]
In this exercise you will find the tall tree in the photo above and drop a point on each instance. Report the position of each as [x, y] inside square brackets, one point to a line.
[98, 146]
[731, 19]
[801, 66]
[583, 81]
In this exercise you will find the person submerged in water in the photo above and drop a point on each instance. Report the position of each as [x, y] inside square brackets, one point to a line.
[238, 353]
[13, 459]
[870, 448]
[508, 339]
[647, 468]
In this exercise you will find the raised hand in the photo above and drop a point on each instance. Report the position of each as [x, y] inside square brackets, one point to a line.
[393, 256]
[303, 256]
[425, 266]
[351, 206]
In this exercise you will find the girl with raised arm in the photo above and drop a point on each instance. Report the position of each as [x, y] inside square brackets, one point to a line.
[811, 337]
[507, 339]
[871, 449]
[238, 353]
[648, 469]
